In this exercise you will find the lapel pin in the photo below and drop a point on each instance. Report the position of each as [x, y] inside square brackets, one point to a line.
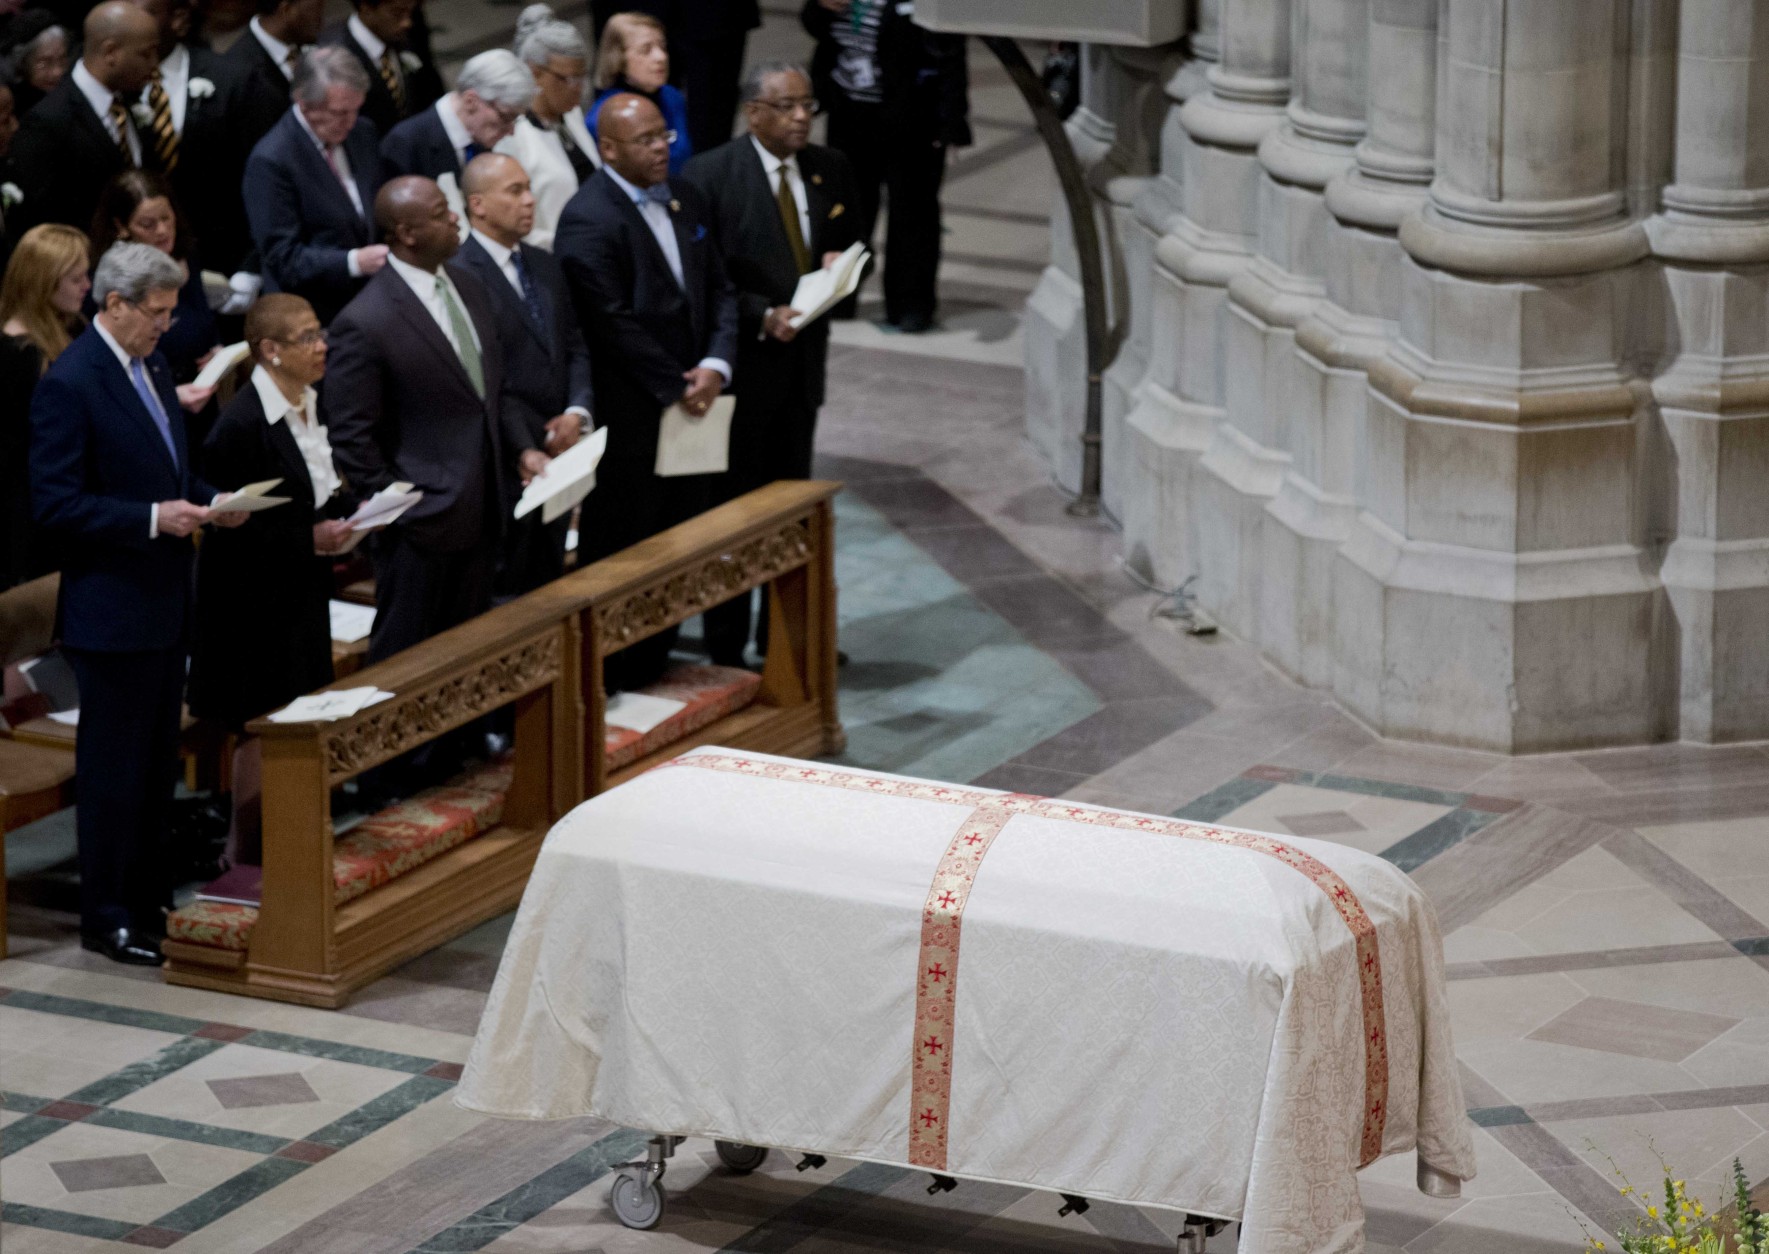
[817, 179]
[675, 206]
[836, 210]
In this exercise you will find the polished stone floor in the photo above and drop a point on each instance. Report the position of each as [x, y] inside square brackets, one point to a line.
[1606, 914]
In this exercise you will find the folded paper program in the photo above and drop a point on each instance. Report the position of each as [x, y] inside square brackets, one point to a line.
[566, 481]
[326, 707]
[695, 445]
[384, 506]
[249, 499]
[822, 290]
[1056, 996]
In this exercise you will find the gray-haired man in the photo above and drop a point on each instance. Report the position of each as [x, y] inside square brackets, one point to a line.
[492, 91]
[112, 487]
[310, 187]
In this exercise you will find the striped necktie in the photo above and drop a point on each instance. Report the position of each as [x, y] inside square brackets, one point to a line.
[119, 116]
[165, 135]
[463, 333]
[390, 76]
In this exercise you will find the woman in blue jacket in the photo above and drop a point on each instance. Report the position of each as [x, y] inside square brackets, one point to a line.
[634, 57]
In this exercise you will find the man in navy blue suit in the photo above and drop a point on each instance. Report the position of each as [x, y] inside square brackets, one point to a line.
[111, 484]
[491, 92]
[545, 405]
[310, 187]
[649, 283]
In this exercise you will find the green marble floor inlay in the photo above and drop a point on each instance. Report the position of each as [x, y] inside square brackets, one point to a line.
[937, 684]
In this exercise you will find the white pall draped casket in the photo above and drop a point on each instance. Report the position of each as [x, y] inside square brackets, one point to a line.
[985, 985]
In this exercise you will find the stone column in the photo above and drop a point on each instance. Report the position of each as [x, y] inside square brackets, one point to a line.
[1496, 591]
[1253, 447]
[1225, 99]
[1713, 236]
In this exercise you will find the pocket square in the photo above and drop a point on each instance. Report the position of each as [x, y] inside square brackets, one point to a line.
[699, 232]
[837, 209]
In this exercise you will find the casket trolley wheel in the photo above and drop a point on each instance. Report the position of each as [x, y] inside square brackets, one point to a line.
[740, 1159]
[637, 1198]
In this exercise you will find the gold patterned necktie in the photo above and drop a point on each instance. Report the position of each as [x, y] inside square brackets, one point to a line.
[390, 76]
[291, 59]
[120, 124]
[789, 217]
[165, 135]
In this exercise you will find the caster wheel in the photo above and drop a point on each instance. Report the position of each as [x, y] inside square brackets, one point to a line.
[636, 1201]
[740, 1159]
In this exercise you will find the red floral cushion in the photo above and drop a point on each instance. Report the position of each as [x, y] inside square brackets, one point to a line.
[217, 924]
[373, 852]
[711, 693]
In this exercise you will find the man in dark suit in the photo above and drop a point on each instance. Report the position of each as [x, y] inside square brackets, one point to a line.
[256, 73]
[491, 92]
[897, 96]
[707, 40]
[401, 82]
[413, 379]
[781, 206]
[81, 135]
[111, 482]
[310, 187]
[652, 295]
[546, 399]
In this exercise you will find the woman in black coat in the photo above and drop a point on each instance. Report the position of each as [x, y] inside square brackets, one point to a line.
[263, 619]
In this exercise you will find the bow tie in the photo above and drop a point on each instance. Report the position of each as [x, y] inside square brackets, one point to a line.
[658, 192]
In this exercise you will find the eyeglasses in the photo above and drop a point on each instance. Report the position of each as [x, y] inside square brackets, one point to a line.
[307, 339]
[786, 108]
[656, 139]
[570, 80]
[506, 117]
[163, 321]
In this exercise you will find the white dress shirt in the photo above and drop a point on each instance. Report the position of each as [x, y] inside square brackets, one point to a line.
[304, 425]
[424, 285]
[175, 78]
[340, 160]
[457, 132]
[99, 97]
[551, 176]
[657, 217]
[507, 268]
[278, 50]
[795, 179]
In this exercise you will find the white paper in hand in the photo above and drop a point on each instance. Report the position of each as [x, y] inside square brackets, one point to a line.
[822, 290]
[566, 481]
[224, 360]
[384, 506]
[351, 622]
[687, 445]
[250, 499]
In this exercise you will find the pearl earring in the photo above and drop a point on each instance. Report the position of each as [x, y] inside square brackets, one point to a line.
[276, 361]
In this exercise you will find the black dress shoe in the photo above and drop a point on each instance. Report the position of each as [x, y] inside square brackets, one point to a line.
[124, 944]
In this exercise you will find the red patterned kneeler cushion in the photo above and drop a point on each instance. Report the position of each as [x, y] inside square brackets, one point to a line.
[711, 693]
[376, 850]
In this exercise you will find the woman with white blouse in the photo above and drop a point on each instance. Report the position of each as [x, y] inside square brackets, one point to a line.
[551, 141]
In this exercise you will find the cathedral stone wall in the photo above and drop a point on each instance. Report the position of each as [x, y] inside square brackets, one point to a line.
[1445, 353]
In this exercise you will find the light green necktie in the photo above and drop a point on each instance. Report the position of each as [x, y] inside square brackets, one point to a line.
[457, 321]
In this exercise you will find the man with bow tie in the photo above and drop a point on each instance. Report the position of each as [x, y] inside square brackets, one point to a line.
[658, 309]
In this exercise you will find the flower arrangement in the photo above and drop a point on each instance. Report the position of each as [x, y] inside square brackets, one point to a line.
[1682, 1225]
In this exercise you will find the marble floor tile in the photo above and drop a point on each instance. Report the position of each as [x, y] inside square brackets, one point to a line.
[1739, 1056]
[1529, 1072]
[1664, 768]
[111, 1171]
[1550, 778]
[1509, 1007]
[1376, 823]
[51, 1056]
[336, 1089]
[22, 1239]
[187, 1170]
[1432, 766]
[1534, 1224]
[1633, 1028]
[1636, 1149]
[1502, 860]
[1733, 986]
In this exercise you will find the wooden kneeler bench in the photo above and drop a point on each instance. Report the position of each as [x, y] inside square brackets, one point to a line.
[337, 913]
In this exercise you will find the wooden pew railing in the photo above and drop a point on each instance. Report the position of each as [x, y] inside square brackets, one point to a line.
[543, 654]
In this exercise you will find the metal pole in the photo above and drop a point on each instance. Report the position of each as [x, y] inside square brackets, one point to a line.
[1087, 253]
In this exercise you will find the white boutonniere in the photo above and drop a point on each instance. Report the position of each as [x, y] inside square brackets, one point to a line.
[200, 89]
[10, 195]
[143, 115]
[411, 61]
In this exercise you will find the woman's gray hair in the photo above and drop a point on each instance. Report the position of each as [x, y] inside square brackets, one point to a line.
[321, 69]
[498, 77]
[762, 71]
[132, 271]
[540, 36]
[13, 66]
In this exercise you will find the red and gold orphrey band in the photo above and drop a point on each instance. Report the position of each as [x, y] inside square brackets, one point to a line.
[991, 811]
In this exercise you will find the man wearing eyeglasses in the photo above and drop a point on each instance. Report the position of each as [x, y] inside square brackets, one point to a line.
[112, 487]
[781, 207]
[649, 283]
[492, 91]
